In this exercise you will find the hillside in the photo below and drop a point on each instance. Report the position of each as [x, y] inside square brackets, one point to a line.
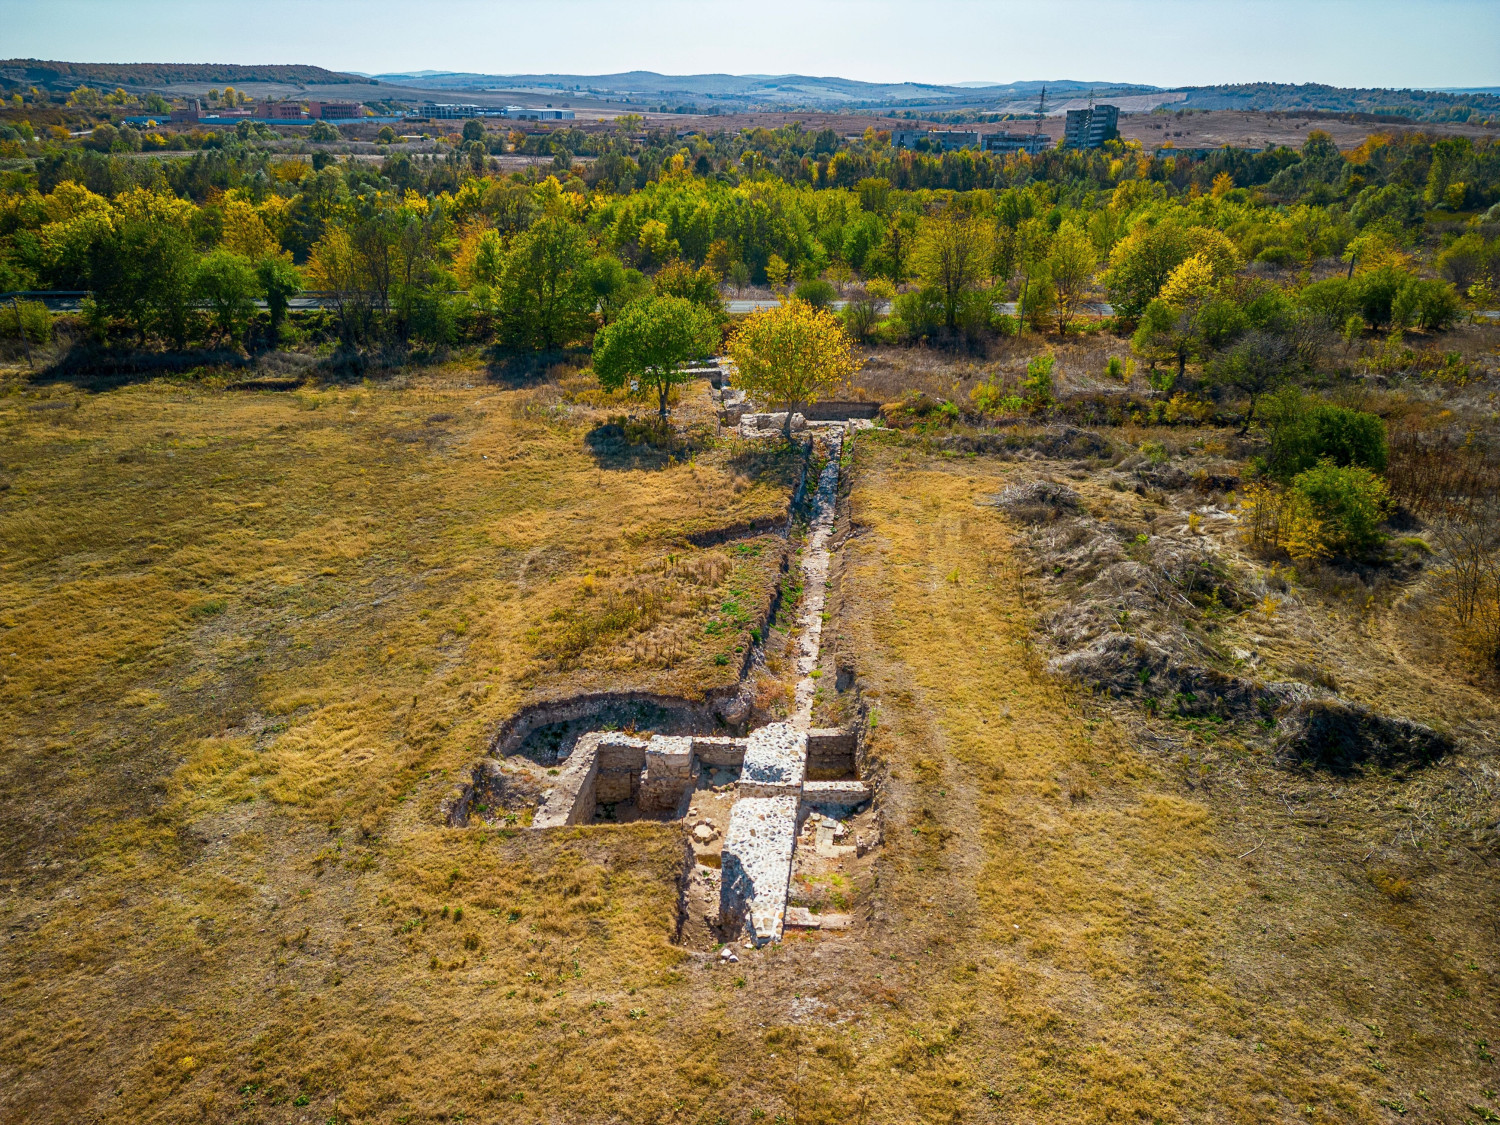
[798, 91]
[51, 75]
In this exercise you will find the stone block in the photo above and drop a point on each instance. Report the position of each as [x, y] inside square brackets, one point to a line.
[574, 794]
[757, 865]
[621, 752]
[611, 788]
[719, 751]
[775, 762]
[669, 756]
[841, 794]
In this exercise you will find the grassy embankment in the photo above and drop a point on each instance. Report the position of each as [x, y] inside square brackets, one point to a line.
[247, 641]
[1092, 927]
[225, 907]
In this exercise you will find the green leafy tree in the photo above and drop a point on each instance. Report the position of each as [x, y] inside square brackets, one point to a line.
[1141, 263]
[228, 285]
[545, 298]
[612, 285]
[473, 130]
[280, 281]
[650, 342]
[679, 279]
[951, 257]
[141, 272]
[1165, 335]
[1071, 267]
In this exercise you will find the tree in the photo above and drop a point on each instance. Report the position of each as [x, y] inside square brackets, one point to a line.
[473, 130]
[1141, 262]
[545, 299]
[335, 267]
[141, 272]
[612, 285]
[1165, 334]
[678, 279]
[228, 285]
[1256, 366]
[649, 343]
[1071, 267]
[279, 281]
[951, 258]
[791, 354]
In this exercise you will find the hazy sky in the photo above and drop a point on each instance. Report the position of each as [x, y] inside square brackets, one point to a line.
[1162, 42]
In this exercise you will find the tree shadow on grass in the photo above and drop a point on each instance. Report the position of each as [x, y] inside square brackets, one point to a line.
[628, 443]
[515, 370]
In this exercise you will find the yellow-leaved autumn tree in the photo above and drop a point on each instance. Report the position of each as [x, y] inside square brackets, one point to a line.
[791, 355]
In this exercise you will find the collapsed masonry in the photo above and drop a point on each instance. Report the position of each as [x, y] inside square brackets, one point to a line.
[773, 797]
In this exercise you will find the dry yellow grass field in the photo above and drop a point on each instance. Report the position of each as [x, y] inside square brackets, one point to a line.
[250, 641]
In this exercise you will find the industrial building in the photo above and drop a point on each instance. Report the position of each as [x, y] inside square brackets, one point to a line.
[1090, 128]
[1032, 143]
[934, 140]
[335, 111]
[280, 111]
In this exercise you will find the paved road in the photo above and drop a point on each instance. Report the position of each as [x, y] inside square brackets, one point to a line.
[70, 303]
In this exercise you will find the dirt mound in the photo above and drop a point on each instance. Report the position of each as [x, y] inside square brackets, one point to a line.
[1038, 500]
[1337, 735]
[1063, 443]
[1137, 667]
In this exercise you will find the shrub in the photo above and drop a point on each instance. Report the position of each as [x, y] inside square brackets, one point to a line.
[916, 314]
[1335, 298]
[991, 397]
[28, 317]
[860, 317]
[1038, 382]
[1430, 305]
[818, 293]
[1376, 291]
[1327, 510]
[1348, 502]
[1114, 368]
[1303, 434]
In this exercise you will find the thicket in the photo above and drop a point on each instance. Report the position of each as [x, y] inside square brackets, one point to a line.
[439, 250]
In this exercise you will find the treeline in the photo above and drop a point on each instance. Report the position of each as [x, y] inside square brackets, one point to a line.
[438, 251]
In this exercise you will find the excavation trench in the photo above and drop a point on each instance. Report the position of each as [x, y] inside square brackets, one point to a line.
[748, 799]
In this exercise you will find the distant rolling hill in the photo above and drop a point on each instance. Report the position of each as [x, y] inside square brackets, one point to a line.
[50, 75]
[729, 92]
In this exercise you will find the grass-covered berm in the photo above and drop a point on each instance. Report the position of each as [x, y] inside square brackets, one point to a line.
[1083, 915]
[248, 642]
[245, 635]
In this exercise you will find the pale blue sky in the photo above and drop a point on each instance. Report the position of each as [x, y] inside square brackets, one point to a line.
[1162, 42]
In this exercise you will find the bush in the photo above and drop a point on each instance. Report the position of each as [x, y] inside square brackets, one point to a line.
[1348, 503]
[1038, 382]
[29, 317]
[1335, 298]
[1303, 434]
[860, 317]
[819, 294]
[1376, 291]
[916, 314]
[1430, 305]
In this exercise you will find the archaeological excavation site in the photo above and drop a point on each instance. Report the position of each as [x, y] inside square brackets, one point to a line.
[766, 806]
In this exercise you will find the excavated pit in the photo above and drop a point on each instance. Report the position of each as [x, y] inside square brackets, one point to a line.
[762, 809]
